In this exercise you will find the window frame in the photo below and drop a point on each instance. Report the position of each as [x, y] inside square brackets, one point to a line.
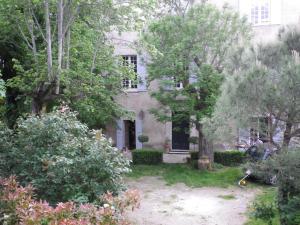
[259, 10]
[129, 84]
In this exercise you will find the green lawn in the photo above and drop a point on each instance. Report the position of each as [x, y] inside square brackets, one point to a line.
[181, 173]
[269, 197]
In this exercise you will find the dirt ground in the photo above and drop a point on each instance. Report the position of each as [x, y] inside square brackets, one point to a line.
[182, 205]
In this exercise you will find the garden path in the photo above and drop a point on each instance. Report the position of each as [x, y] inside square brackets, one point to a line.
[181, 205]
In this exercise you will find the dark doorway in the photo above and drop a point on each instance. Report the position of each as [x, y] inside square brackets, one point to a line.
[180, 134]
[130, 134]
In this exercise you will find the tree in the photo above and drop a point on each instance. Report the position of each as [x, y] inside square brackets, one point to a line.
[66, 54]
[189, 49]
[266, 84]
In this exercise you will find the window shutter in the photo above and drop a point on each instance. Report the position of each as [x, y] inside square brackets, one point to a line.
[276, 12]
[138, 131]
[245, 8]
[142, 74]
[120, 134]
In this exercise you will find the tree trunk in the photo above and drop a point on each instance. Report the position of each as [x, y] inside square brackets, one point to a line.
[201, 141]
[287, 135]
[36, 106]
[60, 43]
[206, 155]
[68, 43]
[48, 40]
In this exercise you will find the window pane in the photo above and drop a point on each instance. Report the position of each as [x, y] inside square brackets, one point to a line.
[260, 11]
[130, 60]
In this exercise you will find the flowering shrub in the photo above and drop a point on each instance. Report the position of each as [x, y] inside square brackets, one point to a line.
[62, 158]
[19, 207]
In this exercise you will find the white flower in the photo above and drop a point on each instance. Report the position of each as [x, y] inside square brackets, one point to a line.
[106, 205]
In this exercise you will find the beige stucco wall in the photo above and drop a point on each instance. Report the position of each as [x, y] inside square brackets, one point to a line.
[141, 101]
[136, 101]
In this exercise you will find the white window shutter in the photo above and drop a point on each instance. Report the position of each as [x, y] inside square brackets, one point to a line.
[120, 134]
[138, 131]
[142, 74]
[276, 12]
[245, 8]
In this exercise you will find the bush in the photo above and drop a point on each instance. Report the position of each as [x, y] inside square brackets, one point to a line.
[63, 159]
[194, 140]
[194, 155]
[286, 167]
[147, 156]
[19, 207]
[264, 211]
[229, 158]
[143, 138]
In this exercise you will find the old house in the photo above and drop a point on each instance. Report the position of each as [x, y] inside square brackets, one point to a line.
[266, 17]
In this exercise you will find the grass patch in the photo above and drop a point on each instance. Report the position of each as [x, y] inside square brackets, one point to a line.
[227, 197]
[268, 197]
[182, 173]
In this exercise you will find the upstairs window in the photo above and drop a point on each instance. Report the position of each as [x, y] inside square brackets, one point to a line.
[177, 84]
[260, 12]
[130, 60]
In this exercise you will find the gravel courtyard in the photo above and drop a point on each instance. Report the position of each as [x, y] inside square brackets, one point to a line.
[182, 205]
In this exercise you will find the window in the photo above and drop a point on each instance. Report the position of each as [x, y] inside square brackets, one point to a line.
[130, 60]
[260, 12]
[177, 84]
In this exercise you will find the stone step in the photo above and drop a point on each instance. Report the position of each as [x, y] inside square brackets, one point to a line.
[179, 151]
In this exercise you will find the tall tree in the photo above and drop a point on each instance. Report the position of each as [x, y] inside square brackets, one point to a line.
[188, 50]
[266, 84]
[68, 55]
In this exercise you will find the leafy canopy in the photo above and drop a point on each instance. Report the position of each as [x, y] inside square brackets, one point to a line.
[191, 49]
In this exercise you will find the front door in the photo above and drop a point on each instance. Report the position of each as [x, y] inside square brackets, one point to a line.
[180, 134]
[130, 136]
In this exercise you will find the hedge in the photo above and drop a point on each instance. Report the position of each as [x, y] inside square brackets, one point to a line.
[147, 156]
[226, 158]
[194, 155]
[229, 158]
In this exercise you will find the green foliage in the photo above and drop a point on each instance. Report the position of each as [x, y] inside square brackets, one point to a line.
[148, 157]
[229, 158]
[265, 81]
[19, 206]
[183, 49]
[291, 211]
[286, 167]
[190, 49]
[180, 173]
[143, 138]
[62, 158]
[261, 215]
[194, 155]
[227, 197]
[263, 211]
[194, 140]
[90, 75]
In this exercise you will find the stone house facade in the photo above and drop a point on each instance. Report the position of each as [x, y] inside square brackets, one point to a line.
[266, 17]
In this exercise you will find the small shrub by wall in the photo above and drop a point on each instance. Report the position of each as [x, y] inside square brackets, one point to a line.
[194, 155]
[147, 156]
[229, 158]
